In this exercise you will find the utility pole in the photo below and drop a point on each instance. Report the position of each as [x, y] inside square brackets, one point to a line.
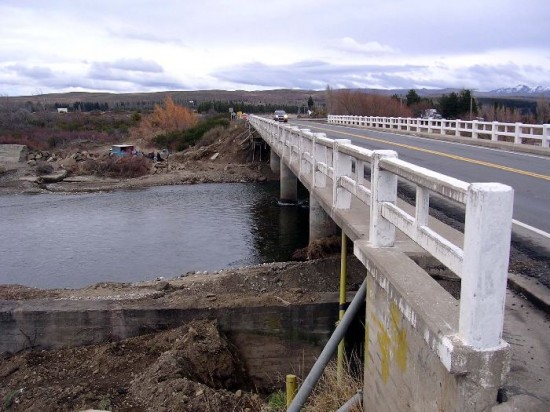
[471, 102]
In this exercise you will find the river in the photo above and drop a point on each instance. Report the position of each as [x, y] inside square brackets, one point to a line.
[74, 240]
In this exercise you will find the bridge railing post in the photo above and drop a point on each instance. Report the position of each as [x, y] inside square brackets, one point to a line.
[342, 163]
[383, 189]
[320, 154]
[306, 137]
[545, 142]
[494, 131]
[517, 133]
[487, 233]
[475, 129]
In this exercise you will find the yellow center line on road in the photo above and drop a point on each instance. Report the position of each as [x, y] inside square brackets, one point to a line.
[434, 152]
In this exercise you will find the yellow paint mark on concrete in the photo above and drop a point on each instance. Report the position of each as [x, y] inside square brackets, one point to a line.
[384, 343]
[399, 334]
[392, 342]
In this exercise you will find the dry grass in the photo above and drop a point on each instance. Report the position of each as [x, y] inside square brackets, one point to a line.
[329, 395]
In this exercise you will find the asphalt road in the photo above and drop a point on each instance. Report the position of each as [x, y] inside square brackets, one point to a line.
[528, 174]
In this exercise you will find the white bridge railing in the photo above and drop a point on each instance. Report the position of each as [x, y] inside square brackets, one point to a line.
[517, 133]
[482, 263]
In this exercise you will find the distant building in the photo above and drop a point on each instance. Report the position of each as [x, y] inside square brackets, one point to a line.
[62, 110]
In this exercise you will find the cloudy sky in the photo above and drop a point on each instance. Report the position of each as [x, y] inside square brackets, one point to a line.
[152, 45]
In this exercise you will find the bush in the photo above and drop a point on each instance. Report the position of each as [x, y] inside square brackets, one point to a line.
[182, 140]
[128, 167]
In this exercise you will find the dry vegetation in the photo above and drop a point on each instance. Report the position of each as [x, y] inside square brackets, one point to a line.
[331, 392]
[350, 102]
[168, 118]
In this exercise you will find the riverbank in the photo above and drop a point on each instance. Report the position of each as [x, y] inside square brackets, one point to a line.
[229, 158]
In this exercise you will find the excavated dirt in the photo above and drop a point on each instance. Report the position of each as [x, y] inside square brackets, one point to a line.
[190, 368]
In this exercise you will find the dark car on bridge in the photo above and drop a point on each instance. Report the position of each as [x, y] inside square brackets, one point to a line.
[280, 116]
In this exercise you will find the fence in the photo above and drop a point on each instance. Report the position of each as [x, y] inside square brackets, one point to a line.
[371, 178]
[516, 133]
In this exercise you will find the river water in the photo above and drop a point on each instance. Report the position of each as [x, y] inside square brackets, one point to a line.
[74, 240]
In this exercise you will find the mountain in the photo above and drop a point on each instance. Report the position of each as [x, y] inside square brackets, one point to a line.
[522, 90]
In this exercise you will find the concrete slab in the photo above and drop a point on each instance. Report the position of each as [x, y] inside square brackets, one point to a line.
[13, 153]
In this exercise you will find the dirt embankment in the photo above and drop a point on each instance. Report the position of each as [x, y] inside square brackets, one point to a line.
[191, 368]
[226, 157]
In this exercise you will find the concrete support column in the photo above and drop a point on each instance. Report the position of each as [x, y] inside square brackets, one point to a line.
[320, 223]
[289, 184]
[274, 161]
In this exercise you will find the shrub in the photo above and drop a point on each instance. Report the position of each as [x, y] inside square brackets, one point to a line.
[134, 166]
[170, 119]
[182, 140]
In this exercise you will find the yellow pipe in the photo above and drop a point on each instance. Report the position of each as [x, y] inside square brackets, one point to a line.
[290, 389]
[342, 310]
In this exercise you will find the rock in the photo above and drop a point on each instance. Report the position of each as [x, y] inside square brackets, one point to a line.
[53, 177]
[214, 156]
[239, 393]
[162, 285]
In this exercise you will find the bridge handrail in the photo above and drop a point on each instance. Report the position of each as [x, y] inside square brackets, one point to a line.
[482, 261]
[517, 133]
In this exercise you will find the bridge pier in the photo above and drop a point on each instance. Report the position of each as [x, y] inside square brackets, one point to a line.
[289, 184]
[320, 223]
[274, 162]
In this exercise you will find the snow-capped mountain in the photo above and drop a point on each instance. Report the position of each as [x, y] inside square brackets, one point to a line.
[522, 90]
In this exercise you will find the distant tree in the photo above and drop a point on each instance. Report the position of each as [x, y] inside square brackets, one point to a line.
[310, 102]
[412, 98]
[543, 110]
[455, 106]
[449, 106]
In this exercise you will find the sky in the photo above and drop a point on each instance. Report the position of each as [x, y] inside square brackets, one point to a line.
[142, 46]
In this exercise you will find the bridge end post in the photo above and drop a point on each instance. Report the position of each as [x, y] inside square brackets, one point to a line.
[487, 234]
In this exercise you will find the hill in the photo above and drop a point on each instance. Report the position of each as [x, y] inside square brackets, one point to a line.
[281, 96]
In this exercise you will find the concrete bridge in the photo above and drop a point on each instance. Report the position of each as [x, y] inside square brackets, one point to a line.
[424, 350]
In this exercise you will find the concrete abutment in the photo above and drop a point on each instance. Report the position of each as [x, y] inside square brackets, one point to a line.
[272, 340]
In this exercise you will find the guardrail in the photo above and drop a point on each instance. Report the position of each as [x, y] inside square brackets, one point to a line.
[371, 178]
[517, 133]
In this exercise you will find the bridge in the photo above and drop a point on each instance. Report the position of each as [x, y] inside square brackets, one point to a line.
[424, 350]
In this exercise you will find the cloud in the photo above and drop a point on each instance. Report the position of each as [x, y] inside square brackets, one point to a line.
[316, 75]
[140, 35]
[126, 65]
[108, 45]
[372, 47]
[34, 72]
